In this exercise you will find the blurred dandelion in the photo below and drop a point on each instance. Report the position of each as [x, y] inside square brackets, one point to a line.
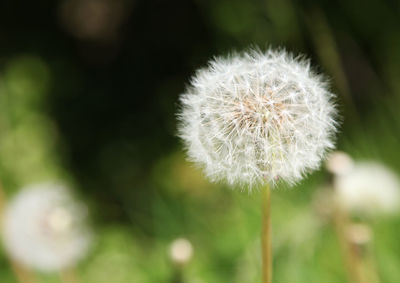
[339, 163]
[359, 189]
[359, 234]
[181, 251]
[370, 188]
[94, 19]
[255, 118]
[359, 237]
[44, 228]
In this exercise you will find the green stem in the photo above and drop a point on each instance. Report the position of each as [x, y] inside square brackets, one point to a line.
[68, 275]
[266, 236]
[351, 261]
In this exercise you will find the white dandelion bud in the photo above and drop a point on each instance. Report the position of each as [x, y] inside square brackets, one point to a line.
[257, 117]
[339, 163]
[369, 188]
[181, 251]
[44, 228]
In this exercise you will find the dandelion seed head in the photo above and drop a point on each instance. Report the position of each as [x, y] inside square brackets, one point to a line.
[370, 188]
[255, 117]
[339, 163]
[181, 251]
[44, 228]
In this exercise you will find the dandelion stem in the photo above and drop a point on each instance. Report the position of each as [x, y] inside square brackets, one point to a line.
[361, 245]
[370, 268]
[68, 276]
[22, 274]
[266, 236]
[351, 261]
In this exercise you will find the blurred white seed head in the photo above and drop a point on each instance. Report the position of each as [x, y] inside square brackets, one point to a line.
[369, 188]
[181, 251]
[339, 163]
[359, 234]
[256, 117]
[44, 228]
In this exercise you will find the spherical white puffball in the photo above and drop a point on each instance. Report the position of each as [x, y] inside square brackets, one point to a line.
[369, 188]
[339, 163]
[255, 117]
[44, 228]
[181, 251]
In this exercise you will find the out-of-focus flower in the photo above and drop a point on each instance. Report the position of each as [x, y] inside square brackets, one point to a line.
[369, 188]
[181, 251]
[44, 228]
[257, 117]
[94, 19]
[359, 234]
[339, 163]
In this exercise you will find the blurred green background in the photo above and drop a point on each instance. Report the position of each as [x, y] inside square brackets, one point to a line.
[88, 93]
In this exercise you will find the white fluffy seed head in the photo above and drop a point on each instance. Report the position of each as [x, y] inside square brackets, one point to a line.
[339, 163]
[256, 117]
[181, 251]
[44, 228]
[369, 188]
